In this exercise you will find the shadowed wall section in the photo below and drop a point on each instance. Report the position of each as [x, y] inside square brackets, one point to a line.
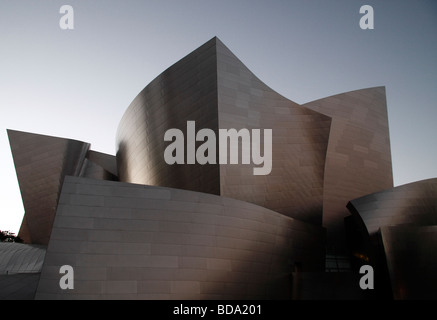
[129, 241]
[100, 166]
[358, 160]
[398, 229]
[411, 261]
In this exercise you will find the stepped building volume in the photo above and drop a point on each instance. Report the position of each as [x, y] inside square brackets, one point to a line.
[132, 226]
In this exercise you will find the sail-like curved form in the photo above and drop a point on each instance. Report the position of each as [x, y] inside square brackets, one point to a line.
[398, 228]
[212, 87]
[136, 227]
[409, 204]
[358, 159]
[41, 163]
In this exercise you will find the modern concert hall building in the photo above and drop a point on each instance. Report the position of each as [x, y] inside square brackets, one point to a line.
[132, 226]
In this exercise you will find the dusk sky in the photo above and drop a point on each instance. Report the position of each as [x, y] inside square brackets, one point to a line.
[78, 83]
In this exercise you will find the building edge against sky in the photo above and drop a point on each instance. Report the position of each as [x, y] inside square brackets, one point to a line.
[177, 243]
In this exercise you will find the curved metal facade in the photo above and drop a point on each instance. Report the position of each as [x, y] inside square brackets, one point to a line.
[21, 258]
[133, 226]
[185, 91]
[129, 241]
[294, 186]
[213, 88]
[358, 159]
[325, 152]
[41, 163]
[410, 204]
[398, 228]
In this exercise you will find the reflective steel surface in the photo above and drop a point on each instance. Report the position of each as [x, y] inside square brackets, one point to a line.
[213, 88]
[412, 203]
[397, 229]
[128, 241]
[41, 163]
[134, 227]
[358, 159]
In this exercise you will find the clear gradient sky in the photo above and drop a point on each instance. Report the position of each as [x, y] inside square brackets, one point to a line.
[78, 83]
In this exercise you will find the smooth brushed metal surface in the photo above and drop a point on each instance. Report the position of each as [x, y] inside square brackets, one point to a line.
[213, 88]
[217, 231]
[41, 163]
[409, 204]
[128, 241]
[358, 159]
